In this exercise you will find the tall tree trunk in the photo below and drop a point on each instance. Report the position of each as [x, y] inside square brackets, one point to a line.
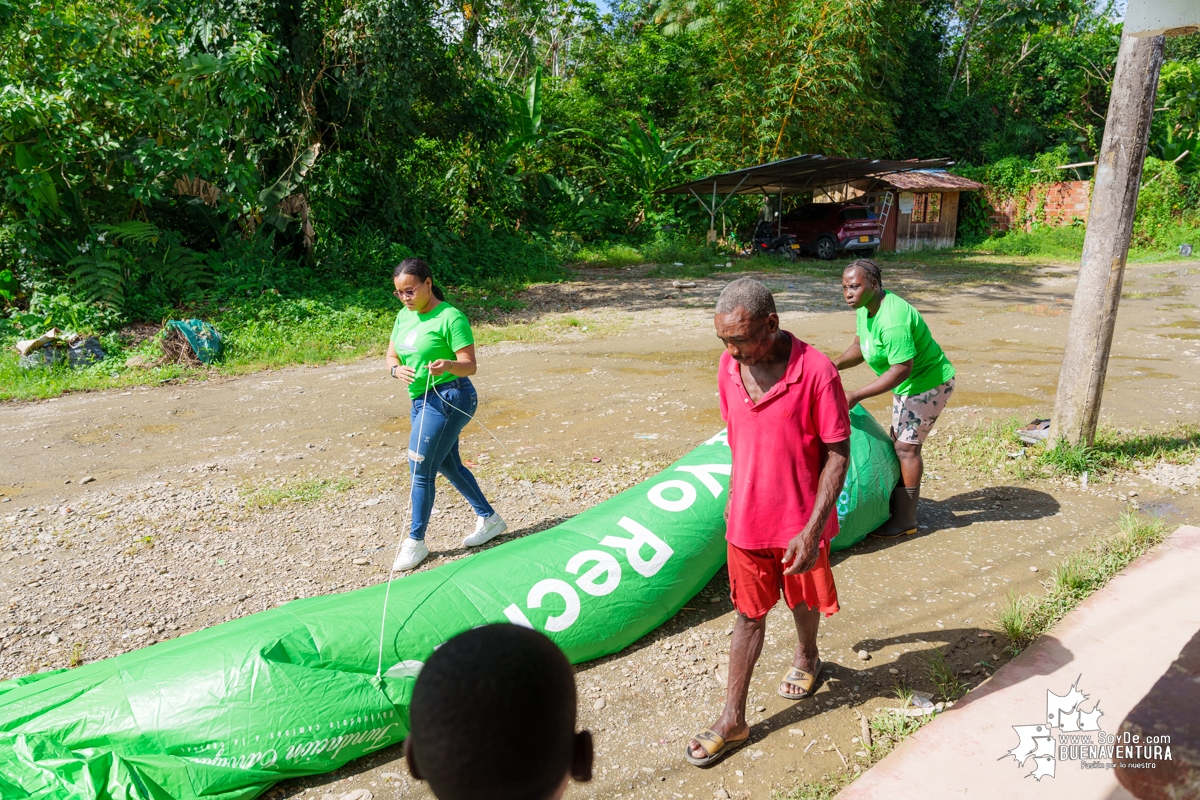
[962, 51]
[1106, 243]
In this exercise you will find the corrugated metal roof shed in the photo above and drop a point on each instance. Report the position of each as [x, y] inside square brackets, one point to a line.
[932, 180]
[799, 174]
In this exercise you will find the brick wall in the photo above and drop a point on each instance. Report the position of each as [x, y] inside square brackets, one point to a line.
[1061, 203]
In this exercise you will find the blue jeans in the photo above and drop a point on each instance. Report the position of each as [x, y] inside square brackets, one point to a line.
[435, 440]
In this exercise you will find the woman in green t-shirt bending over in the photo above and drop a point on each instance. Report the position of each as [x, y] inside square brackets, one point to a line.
[432, 350]
[895, 342]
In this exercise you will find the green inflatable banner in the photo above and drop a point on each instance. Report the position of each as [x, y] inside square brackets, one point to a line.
[224, 713]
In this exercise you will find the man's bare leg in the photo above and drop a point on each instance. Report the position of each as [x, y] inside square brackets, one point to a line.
[807, 622]
[744, 650]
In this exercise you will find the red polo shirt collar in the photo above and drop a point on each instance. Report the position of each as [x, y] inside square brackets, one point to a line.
[790, 376]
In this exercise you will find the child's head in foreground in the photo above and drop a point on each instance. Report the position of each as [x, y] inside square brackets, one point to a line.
[493, 716]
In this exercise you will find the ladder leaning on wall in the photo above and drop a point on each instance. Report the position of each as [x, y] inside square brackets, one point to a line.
[881, 203]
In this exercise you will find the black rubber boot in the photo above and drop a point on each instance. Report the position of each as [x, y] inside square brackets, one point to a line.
[903, 521]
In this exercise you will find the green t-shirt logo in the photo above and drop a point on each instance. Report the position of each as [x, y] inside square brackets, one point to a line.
[419, 339]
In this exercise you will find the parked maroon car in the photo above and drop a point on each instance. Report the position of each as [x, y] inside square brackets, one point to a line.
[830, 229]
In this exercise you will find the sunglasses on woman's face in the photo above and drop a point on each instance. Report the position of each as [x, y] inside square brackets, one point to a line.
[401, 294]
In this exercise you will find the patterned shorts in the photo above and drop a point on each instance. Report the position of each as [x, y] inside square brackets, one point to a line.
[913, 415]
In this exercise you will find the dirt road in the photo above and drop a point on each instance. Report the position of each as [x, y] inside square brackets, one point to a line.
[214, 500]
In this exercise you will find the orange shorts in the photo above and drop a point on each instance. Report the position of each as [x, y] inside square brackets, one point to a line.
[756, 577]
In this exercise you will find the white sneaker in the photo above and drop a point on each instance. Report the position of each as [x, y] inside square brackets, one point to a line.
[486, 529]
[412, 553]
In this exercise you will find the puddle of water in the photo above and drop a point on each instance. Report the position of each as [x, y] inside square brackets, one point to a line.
[104, 433]
[1017, 362]
[1179, 335]
[1139, 359]
[1037, 309]
[499, 414]
[966, 397]
[1161, 508]
[1170, 291]
[708, 357]
[158, 428]
[1177, 305]
[880, 408]
[1141, 373]
[1014, 346]
[710, 418]
[395, 425]
[643, 371]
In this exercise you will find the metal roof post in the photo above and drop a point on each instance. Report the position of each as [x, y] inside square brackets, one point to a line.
[712, 217]
[779, 214]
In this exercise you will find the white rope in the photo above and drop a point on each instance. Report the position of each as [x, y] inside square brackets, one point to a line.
[412, 489]
[412, 494]
[524, 477]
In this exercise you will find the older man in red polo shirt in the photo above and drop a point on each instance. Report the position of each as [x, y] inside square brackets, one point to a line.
[789, 430]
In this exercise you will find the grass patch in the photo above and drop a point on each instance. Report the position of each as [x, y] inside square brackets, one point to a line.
[887, 731]
[661, 251]
[1023, 619]
[1014, 617]
[995, 448]
[305, 491]
[1061, 242]
[943, 676]
[269, 331]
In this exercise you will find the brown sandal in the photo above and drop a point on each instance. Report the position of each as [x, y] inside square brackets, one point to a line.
[715, 745]
[798, 677]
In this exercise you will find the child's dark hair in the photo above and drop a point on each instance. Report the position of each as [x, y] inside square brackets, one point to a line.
[493, 715]
[419, 270]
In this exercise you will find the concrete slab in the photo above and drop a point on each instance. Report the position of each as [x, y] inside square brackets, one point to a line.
[1113, 647]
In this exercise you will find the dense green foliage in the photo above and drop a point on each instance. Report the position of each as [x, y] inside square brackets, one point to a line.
[161, 158]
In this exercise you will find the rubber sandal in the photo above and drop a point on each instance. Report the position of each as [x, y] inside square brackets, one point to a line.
[798, 677]
[715, 745]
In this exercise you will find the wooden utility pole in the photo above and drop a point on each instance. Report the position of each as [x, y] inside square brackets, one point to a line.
[1106, 243]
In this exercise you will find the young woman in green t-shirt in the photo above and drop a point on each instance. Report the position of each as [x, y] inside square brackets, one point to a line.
[433, 351]
[892, 337]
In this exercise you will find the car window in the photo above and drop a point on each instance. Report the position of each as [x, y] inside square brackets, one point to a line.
[796, 214]
[855, 213]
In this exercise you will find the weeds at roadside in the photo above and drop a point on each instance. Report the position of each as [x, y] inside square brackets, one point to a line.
[943, 676]
[140, 543]
[887, 731]
[1082, 573]
[1013, 617]
[995, 448]
[306, 491]
[826, 788]
[76, 657]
